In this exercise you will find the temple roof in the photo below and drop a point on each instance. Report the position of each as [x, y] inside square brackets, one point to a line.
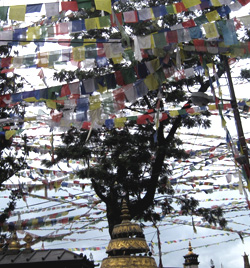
[44, 258]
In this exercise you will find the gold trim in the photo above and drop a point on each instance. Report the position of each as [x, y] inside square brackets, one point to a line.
[127, 228]
[129, 261]
[127, 244]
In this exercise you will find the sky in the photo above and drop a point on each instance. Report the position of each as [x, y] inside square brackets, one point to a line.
[224, 247]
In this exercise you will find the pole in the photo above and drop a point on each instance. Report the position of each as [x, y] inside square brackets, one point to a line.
[239, 128]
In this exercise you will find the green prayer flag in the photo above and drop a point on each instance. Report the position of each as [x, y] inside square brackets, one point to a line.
[52, 92]
[170, 9]
[160, 76]
[160, 40]
[85, 4]
[128, 75]
[4, 13]
[90, 51]
[200, 20]
[104, 21]
[76, 42]
[128, 55]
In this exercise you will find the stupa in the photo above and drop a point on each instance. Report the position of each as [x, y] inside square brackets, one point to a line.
[128, 247]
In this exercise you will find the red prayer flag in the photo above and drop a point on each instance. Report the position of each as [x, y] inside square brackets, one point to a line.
[65, 90]
[6, 62]
[188, 24]
[4, 71]
[86, 125]
[244, 2]
[69, 6]
[172, 37]
[119, 78]
[143, 119]
[199, 45]
[113, 21]
[180, 7]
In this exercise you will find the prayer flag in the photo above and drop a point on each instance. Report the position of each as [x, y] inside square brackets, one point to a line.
[190, 3]
[95, 102]
[104, 5]
[180, 7]
[211, 30]
[159, 11]
[216, 3]
[72, 5]
[244, 2]
[130, 16]
[33, 33]
[4, 13]
[51, 9]
[151, 82]
[78, 53]
[120, 122]
[17, 12]
[172, 37]
[33, 8]
[213, 16]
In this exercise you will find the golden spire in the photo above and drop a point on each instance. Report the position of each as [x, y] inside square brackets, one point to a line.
[127, 245]
[14, 243]
[190, 249]
[125, 212]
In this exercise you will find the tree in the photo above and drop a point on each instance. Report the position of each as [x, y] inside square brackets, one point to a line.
[12, 158]
[130, 162]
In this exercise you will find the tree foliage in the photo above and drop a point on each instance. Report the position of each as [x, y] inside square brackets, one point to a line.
[131, 162]
[12, 160]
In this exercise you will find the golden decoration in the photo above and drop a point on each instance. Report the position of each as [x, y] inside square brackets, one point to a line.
[127, 245]
[129, 261]
[14, 244]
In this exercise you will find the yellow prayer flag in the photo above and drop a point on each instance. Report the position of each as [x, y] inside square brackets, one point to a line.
[78, 53]
[210, 30]
[211, 106]
[152, 14]
[118, 60]
[190, 3]
[34, 222]
[17, 12]
[216, 3]
[33, 33]
[173, 113]
[151, 82]
[90, 40]
[43, 59]
[76, 218]
[98, 25]
[29, 119]
[95, 102]
[210, 65]
[155, 64]
[51, 104]
[91, 23]
[213, 16]
[101, 89]
[9, 134]
[31, 99]
[104, 5]
[120, 122]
